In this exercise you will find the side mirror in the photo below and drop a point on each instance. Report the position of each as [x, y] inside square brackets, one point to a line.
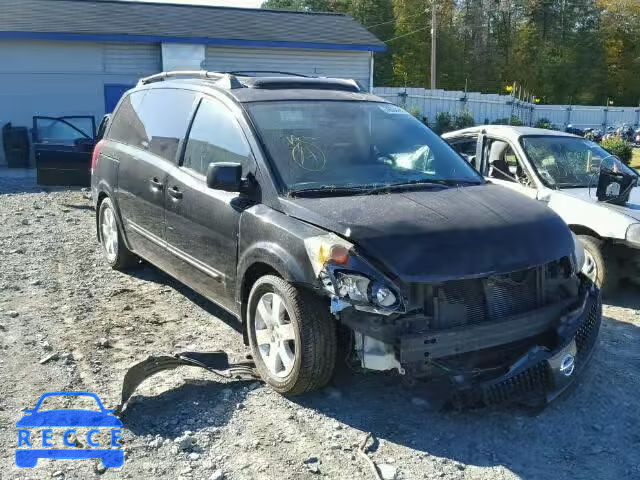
[225, 176]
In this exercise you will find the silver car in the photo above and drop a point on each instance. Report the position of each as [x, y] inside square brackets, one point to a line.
[561, 170]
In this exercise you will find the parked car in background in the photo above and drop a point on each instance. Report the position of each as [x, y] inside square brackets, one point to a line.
[575, 130]
[593, 134]
[306, 207]
[561, 170]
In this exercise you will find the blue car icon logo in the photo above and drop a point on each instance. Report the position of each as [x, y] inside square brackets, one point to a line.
[29, 452]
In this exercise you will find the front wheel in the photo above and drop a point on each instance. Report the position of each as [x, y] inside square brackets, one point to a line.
[598, 267]
[292, 336]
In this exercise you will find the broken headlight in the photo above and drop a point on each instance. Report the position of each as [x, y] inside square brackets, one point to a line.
[354, 287]
[383, 296]
[324, 248]
[361, 289]
[349, 277]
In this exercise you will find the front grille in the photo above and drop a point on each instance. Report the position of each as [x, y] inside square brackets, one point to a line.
[460, 303]
[588, 332]
[531, 381]
[512, 294]
[465, 302]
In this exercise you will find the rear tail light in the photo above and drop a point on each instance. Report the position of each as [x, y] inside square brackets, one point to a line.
[96, 154]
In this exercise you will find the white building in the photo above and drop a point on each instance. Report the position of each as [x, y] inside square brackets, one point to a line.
[76, 57]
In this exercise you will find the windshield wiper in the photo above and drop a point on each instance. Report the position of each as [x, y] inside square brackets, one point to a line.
[430, 183]
[572, 185]
[330, 190]
[379, 188]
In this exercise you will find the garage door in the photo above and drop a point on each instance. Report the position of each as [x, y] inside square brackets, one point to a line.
[325, 63]
[67, 78]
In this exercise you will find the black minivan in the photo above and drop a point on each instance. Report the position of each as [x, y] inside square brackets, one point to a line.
[311, 209]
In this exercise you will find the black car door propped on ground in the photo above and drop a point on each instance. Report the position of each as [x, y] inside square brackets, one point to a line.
[148, 129]
[62, 148]
[202, 223]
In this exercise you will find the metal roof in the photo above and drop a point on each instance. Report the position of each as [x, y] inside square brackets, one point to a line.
[127, 21]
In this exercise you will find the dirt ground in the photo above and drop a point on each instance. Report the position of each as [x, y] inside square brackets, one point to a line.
[58, 297]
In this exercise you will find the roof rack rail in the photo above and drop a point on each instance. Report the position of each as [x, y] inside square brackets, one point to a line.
[225, 80]
[246, 73]
[312, 83]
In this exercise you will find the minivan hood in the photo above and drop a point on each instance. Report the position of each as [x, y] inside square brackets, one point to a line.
[631, 208]
[437, 235]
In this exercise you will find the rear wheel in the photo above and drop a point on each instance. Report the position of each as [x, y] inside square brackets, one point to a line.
[115, 250]
[292, 336]
[598, 266]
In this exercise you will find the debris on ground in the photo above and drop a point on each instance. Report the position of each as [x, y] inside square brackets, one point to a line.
[48, 358]
[312, 464]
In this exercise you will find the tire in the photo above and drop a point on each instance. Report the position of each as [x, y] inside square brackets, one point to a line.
[116, 253]
[605, 275]
[311, 328]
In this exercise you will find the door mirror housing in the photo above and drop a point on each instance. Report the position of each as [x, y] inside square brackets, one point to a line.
[225, 176]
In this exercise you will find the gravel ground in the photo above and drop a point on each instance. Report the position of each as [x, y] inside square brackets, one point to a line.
[58, 297]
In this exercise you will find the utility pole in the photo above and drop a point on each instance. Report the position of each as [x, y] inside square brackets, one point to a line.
[434, 25]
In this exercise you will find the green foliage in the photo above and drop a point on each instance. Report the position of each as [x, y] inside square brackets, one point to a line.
[618, 147]
[515, 121]
[415, 111]
[565, 51]
[464, 120]
[444, 123]
[544, 123]
[635, 159]
[308, 5]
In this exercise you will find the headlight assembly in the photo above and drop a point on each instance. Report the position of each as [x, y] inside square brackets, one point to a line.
[348, 277]
[383, 296]
[324, 248]
[633, 234]
[354, 287]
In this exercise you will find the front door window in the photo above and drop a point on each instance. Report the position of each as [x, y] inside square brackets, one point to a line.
[63, 130]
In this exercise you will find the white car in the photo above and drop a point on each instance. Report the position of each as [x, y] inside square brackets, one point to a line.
[561, 170]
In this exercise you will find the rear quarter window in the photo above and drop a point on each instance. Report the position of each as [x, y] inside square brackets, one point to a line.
[154, 120]
[126, 125]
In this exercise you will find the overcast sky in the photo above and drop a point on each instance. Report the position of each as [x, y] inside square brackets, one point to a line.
[226, 3]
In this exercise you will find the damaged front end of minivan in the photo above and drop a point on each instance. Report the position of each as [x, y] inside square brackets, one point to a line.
[521, 336]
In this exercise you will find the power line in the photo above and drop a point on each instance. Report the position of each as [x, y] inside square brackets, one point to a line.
[383, 23]
[407, 34]
[394, 19]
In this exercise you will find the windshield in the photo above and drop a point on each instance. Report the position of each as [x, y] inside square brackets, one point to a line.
[343, 144]
[565, 161]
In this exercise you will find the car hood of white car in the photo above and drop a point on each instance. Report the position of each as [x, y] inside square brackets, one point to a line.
[631, 208]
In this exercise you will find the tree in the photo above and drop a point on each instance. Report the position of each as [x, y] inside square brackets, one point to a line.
[566, 51]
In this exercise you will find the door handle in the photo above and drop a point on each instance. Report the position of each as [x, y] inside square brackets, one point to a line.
[156, 184]
[175, 193]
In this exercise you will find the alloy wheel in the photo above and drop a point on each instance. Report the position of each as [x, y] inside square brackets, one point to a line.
[590, 267]
[109, 234]
[275, 335]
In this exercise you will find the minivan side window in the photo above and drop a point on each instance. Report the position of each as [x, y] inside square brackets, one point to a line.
[215, 136]
[126, 125]
[166, 114]
[154, 120]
